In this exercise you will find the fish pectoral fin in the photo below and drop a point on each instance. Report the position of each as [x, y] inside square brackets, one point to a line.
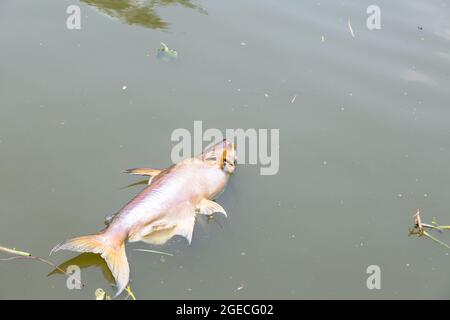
[185, 228]
[208, 207]
[144, 172]
[160, 234]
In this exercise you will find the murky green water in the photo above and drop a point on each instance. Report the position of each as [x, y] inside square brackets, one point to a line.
[362, 146]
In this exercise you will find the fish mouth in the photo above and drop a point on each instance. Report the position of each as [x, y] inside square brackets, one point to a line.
[229, 159]
[222, 154]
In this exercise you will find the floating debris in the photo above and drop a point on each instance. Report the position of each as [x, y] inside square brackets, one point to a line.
[154, 251]
[166, 54]
[101, 294]
[18, 254]
[241, 286]
[293, 99]
[14, 251]
[419, 229]
[130, 293]
[350, 28]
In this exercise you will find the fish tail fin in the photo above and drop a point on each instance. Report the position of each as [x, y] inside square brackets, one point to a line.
[113, 252]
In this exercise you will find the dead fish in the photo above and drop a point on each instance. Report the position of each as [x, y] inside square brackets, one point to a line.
[167, 207]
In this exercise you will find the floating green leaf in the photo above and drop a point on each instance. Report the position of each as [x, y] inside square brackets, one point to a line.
[166, 54]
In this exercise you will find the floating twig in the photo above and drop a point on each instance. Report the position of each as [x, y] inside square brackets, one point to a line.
[154, 251]
[350, 28]
[14, 251]
[426, 234]
[130, 293]
[419, 230]
[25, 255]
[293, 99]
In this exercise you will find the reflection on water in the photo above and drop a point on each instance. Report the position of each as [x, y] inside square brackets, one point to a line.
[139, 12]
[83, 261]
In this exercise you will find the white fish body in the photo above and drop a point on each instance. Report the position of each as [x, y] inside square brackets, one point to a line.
[167, 207]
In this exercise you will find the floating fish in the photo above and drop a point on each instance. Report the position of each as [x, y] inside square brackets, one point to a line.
[167, 207]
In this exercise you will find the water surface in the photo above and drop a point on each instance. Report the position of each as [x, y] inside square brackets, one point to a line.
[364, 144]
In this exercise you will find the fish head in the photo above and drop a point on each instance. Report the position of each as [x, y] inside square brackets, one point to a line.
[221, 155]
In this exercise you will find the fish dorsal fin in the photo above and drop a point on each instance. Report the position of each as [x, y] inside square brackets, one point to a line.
[208, 207]
[144, 172]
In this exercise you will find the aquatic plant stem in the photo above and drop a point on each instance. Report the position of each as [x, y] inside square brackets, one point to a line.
[25, 255]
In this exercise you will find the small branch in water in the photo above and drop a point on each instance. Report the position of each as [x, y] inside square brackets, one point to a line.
[130, 293]
[25, 255]
[293, 99]
[350, 28]
[154, 251]
[419, 229]
[14, 251]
